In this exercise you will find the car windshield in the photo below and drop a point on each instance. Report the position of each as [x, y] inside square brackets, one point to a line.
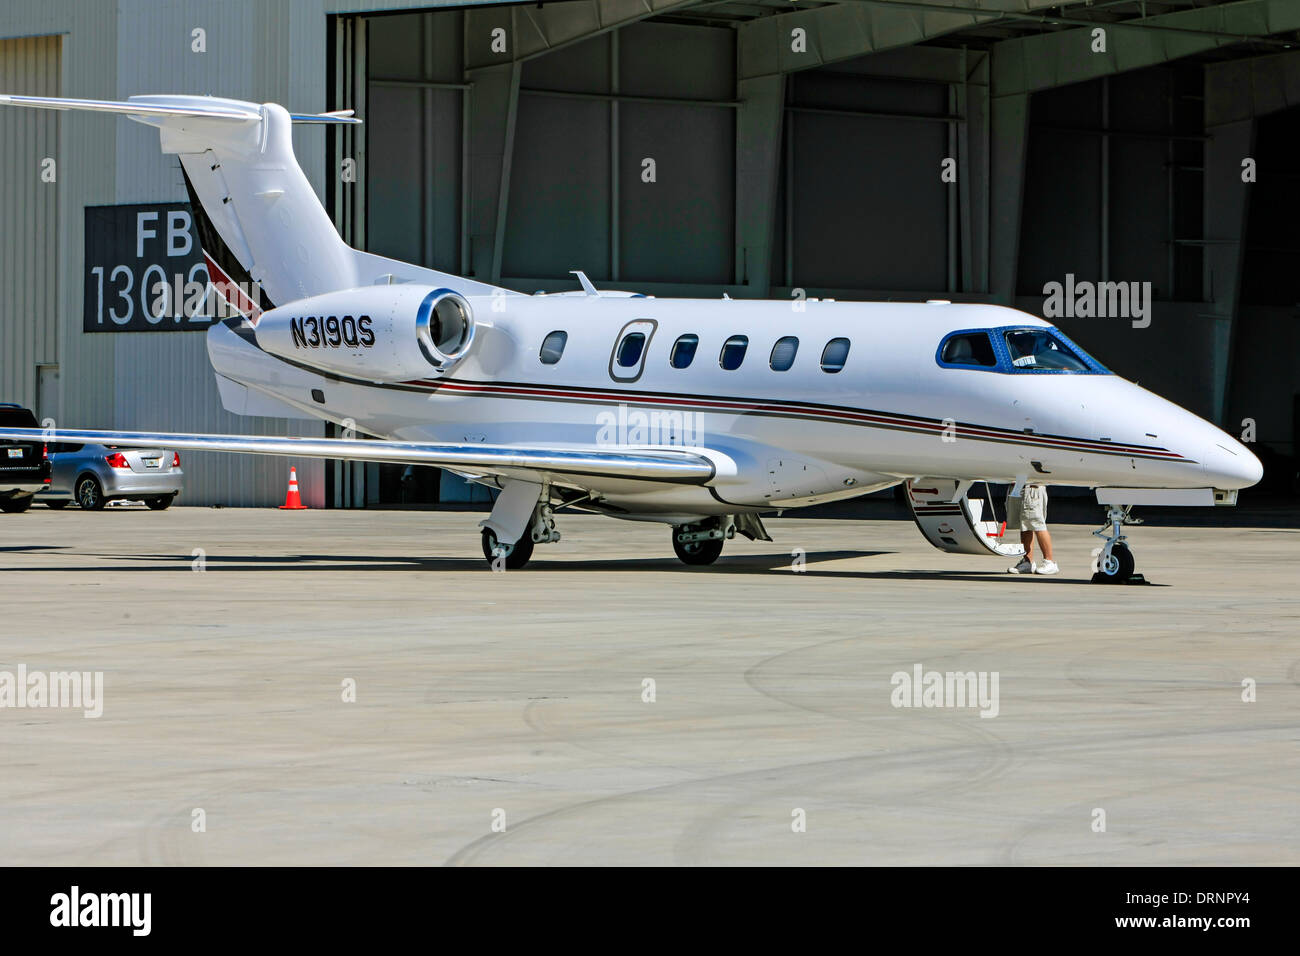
[1040, 350]
[17, 418]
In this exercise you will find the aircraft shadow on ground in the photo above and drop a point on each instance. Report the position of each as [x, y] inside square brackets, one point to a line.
[740, 564]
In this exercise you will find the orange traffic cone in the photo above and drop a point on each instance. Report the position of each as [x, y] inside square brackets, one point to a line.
[293, 501]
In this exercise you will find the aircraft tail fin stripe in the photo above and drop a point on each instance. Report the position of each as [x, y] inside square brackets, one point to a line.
[226, 273]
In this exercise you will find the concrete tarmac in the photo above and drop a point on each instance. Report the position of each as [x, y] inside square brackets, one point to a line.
[522, 699]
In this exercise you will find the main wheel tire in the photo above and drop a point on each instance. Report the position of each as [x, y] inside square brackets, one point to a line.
[160, 503]
[89, 494]
[1120, 566]
[697, 552]
[13, 506]
[518, 556]
[57, 505]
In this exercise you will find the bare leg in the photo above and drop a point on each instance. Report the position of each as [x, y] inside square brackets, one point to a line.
[1045, 544]
[1027, 539]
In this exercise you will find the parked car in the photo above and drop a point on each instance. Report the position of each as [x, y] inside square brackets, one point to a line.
[24, 465]
[94, 475]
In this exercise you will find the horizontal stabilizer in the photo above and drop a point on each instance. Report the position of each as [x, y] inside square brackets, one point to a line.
[340, 117]
[219, 110]
[154, 106]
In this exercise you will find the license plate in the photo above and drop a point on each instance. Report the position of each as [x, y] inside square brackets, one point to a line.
[15, 452]
[152, 462]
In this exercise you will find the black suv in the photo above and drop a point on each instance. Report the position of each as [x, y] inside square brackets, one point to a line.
[24, 465]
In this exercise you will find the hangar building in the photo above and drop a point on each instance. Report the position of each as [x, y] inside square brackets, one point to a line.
[972, 150]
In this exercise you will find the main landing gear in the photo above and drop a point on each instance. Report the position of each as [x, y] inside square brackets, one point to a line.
[701, 542]
[511, 557]
[1115, 561]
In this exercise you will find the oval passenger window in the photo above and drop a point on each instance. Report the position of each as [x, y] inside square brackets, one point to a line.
[835, 355]
[683, 353]
[783, 353]
[733, 352]
[553, 347]
[629, 350]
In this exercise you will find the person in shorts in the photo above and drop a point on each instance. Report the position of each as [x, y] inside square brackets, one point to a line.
[1029, 511]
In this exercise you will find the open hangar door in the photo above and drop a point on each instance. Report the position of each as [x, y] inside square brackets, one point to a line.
[624, 154]
[884, 153]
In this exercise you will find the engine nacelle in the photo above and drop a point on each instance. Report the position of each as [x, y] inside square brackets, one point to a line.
[388, 333]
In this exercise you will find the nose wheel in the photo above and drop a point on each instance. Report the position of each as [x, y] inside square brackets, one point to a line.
[1115, 564]
[1116, 567]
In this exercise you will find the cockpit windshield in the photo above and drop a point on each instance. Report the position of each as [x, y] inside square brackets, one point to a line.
[1040, 350]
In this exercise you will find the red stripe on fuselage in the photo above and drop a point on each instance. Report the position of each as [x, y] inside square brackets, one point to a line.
[794, 409]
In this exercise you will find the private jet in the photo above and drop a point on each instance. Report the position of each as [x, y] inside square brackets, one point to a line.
[703, 415]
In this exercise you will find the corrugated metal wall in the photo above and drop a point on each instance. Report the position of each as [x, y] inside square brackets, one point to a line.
[28, 220]
[262, 52]
[257, 51]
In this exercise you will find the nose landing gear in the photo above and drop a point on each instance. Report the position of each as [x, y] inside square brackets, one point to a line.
[1115, 561]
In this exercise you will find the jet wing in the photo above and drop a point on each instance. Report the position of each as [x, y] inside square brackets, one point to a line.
[668, 465]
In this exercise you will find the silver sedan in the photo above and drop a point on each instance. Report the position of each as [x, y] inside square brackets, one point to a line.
[93, 475]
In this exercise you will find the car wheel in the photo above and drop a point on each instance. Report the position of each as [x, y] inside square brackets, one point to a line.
[57, 505]
[89, 495]
[160, 503]
[15, 506]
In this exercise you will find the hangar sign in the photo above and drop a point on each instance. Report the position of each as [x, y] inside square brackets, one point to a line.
[144, 270]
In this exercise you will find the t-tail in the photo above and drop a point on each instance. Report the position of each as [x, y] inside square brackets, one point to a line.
[266, 237]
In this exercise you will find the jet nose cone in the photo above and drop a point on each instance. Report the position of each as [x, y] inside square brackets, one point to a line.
[1230, 464]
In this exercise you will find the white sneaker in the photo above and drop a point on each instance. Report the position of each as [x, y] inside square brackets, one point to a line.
[1047, 567]
[1024, 567]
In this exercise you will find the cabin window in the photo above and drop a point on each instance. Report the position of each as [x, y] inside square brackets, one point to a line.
[733, 352]
[630, 349]
[683, 353]
[783, 353]
[969, 348]
[627, 360]
[1038, 350]
[835, 355]
[553, 347]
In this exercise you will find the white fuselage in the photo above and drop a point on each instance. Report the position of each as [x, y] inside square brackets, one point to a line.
[777, 438]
